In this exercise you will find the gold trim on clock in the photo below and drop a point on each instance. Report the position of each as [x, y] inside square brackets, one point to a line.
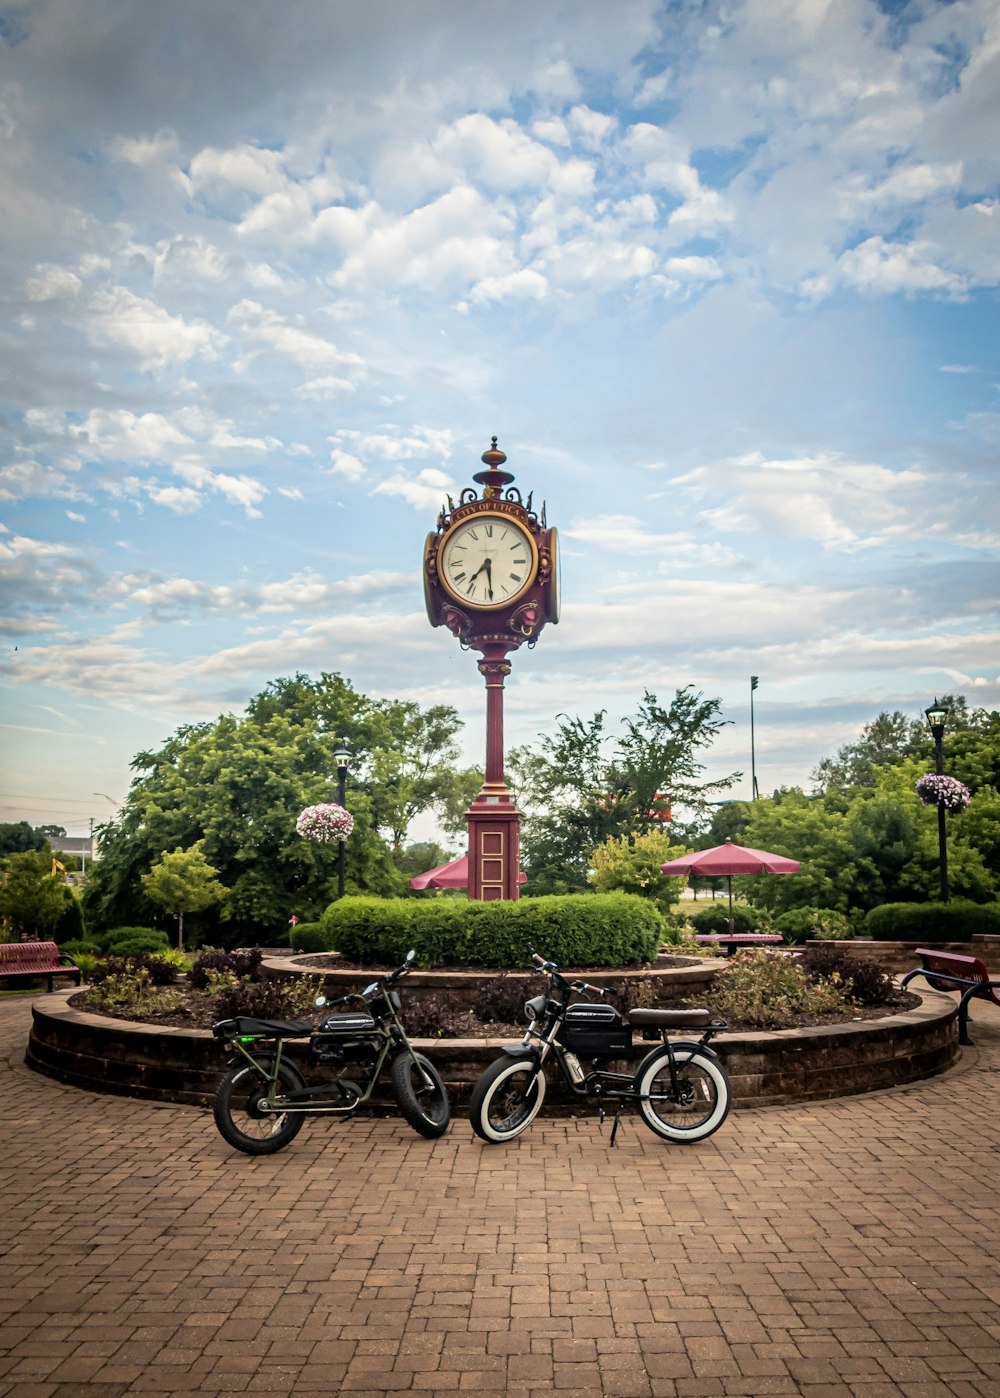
[487, 561]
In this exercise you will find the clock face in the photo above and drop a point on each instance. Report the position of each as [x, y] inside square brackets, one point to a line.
[487, 561]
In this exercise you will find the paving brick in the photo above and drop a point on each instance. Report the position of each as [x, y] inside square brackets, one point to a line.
[844, 1249]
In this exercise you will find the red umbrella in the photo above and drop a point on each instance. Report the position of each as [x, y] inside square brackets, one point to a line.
[452, 875]
[730, 859]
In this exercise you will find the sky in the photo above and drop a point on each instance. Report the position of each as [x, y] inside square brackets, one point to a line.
[721, 278]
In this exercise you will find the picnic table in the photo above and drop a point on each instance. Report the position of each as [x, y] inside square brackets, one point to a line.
[733, 941]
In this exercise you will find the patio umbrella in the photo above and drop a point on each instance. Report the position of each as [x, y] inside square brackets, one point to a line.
[452, 875]
[730, 859]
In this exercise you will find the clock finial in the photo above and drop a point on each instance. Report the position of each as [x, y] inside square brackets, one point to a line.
[492, 479]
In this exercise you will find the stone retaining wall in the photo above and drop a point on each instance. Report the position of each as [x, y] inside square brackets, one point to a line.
[182, 1065]
[901, 957]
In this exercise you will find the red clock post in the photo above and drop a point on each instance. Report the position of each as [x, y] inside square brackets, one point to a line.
[491, 576]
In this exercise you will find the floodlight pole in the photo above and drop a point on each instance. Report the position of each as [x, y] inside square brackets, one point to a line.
[753, 755]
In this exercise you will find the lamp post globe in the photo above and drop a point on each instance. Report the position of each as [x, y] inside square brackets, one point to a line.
[342, 757]
[937, 715]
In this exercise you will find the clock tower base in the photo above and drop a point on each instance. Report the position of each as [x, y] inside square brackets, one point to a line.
[494, 825]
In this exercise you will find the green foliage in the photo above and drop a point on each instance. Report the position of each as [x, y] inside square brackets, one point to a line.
[108, 940]
[806, 924]
[238, 784]
[19, 837]
[133, 993]
[70, 925]
[715, 919]
[612, 929]
[137, 942]
[308, 937]
[764, 990]
[80, 948]
[32, 896]
[956, 921]
[631, 864]
[184, 882]
[159, 969]
[579, 791]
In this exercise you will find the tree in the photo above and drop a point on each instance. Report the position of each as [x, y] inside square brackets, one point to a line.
[31, 893]
[183, 882]
[631, 864]
[19, 837]
[584, 786]
[239, 783]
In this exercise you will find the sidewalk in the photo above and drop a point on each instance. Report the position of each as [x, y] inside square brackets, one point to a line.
[850, 1247]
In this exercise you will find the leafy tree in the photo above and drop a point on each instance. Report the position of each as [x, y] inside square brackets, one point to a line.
[584, 786]
[19, 837]
[631, 864]
[32, 895]
[238, 784]
[183, 882]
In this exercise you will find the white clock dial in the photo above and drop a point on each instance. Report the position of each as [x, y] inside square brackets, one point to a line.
[487, 561]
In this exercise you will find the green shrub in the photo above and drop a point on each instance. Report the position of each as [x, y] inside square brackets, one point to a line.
[80, 948]
[715, 919]
[158, 969]
[805, 924]
[133, 993]
[578, 930]
[766, 990]
[308, 937]
[957, 921]
[70, 925]
[277, 999]
[137, 938]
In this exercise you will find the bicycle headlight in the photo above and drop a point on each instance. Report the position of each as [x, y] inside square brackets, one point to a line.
[534, 1009]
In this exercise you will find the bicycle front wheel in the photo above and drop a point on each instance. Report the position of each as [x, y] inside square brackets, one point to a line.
[421, 1094]
[688, 1106]
[243, 1120]
[506, 1099]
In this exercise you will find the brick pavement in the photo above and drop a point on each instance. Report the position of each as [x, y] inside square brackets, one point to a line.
[849, 1247]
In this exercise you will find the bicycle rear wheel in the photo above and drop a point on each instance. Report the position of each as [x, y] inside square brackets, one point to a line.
[693, 1108]
[242, 1119]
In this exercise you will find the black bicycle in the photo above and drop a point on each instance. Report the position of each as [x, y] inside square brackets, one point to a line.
[262, 1102]
[680, 1087]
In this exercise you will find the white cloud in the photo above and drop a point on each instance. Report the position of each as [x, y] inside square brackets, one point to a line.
[161, 340]
[52, 283]
[262, 329]
[426, 491]
[525, 285]
[884, 267]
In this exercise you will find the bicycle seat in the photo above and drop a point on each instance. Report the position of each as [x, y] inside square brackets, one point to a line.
[262, 1028]
[668, 1019]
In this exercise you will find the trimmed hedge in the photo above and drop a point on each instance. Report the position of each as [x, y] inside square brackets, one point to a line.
[715, 919]
[957, 921]
[822, 924]
[131, 941]
[576, 930]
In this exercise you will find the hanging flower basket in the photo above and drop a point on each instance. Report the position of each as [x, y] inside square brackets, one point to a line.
[327, 824]
[935, 790]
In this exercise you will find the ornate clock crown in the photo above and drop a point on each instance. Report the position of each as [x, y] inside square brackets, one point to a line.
[493, 479]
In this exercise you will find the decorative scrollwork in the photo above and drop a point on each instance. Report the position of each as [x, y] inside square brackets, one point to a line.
[468, 495]
[526, 619]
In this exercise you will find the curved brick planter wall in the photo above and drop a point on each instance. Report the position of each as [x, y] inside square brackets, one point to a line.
[181, 1065]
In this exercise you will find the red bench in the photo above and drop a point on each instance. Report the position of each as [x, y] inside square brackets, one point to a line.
[33, 960]
[948, 970]
[733, 941]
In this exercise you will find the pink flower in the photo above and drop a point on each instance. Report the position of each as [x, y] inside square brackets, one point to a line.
[327, 823]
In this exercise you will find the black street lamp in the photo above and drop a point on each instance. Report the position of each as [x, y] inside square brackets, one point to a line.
[753, 756]
[936, 717]
[342, 757]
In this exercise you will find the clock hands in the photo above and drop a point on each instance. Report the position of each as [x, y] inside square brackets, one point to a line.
[485, 567]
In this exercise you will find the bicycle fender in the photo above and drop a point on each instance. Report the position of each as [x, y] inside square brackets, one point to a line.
[678, 1045]
[521, 1051]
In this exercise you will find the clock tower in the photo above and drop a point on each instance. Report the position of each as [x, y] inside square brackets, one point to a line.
[491, 576]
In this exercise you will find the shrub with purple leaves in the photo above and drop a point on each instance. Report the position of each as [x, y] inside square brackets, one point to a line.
[937, 790]
[243, 963]
[327, 823]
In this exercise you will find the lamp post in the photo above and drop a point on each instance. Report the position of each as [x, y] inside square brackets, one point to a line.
[936, 716]
[753, 755]
[342, 757]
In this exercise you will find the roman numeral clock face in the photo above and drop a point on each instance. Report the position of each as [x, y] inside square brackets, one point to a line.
[487, 561]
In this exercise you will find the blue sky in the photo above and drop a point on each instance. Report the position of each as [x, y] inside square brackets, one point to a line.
[721, 278]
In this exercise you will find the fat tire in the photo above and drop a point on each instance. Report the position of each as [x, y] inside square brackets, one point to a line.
[426, 1109]
[704, 1075]
[233, 1098]
[495, 1081]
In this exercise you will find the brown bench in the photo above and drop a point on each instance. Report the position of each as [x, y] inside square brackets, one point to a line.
[948, 970]
[33, 960]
